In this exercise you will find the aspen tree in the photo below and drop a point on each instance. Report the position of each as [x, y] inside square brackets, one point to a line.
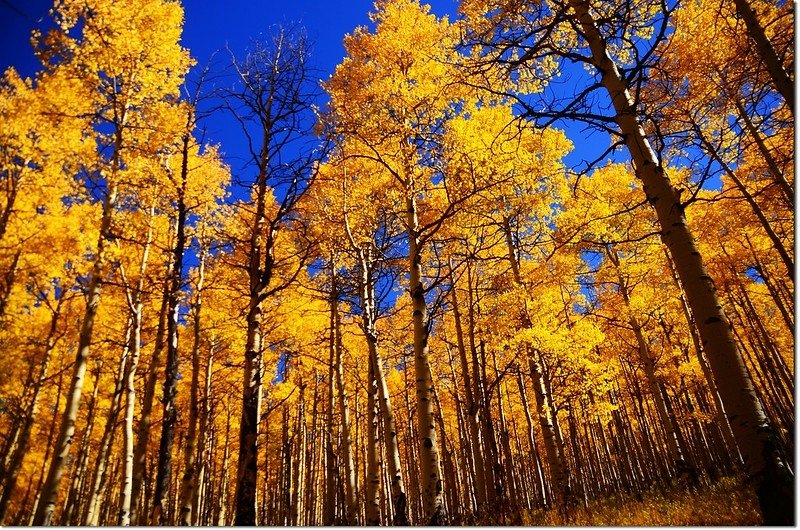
[120, 91]
[272, 97]
[764, 461]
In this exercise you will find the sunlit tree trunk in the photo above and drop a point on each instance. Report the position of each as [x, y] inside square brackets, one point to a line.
[764, 462]
[776, 173]
[135, 305]
[344, 411]
[66, 432]
[554, 450]
[368, 318]
[470, 401]
[677, 453]
[72, 508]
[373, 481]
[138, 516]
[223, 497]
[40, 491]
[329, 514]
[538, 474]
[430, 471]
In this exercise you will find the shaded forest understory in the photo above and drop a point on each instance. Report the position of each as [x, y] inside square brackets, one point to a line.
[415, 301]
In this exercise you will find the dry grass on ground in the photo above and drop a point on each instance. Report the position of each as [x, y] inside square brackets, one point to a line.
[725, 503]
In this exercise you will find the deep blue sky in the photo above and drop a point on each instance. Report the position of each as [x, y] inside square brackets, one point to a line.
[210, 26]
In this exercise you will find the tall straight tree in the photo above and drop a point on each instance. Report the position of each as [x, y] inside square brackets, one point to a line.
[616, 41]
[388, 102]
[137, 64]
[272, 95]
[193, 182]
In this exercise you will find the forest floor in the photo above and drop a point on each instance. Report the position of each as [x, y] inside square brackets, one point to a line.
[727, 502]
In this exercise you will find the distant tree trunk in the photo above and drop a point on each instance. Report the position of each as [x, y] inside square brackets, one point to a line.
[754, 206]
[100, 474]
[677, 453]
[18, 449]
[170, 415]
[548, 421]
[472, 406]
[297, 506]
[764, 461]
[776, 173]
[48, 447]
[189, 480]
[73, 507]
[206, 449]
[721, 417]
[351, 515]
[148, 400]
[66, 433]
[223, 497]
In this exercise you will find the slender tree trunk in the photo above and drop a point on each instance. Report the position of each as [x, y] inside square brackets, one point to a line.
[223, 488]
[548, 421]
[764, 461]
[66, 433]
[170, 414]
[100, 475]
[398, 491]
[553, 450]
[721, 417]
[189, 480]
[209, 439]
[138, 516]
[399, 502]
[135, 304]
[472, 407]
[344, 411]
[373, 481]
[330, 456]
[778, 175]
[19, 448]
[430, 472]
[676, 451]
[751, 201]
[538, 475]
[781, 78]
[72, 509]
[297, 505]
[40, 491]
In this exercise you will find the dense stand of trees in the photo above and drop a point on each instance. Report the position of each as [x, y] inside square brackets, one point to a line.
[406, 307]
